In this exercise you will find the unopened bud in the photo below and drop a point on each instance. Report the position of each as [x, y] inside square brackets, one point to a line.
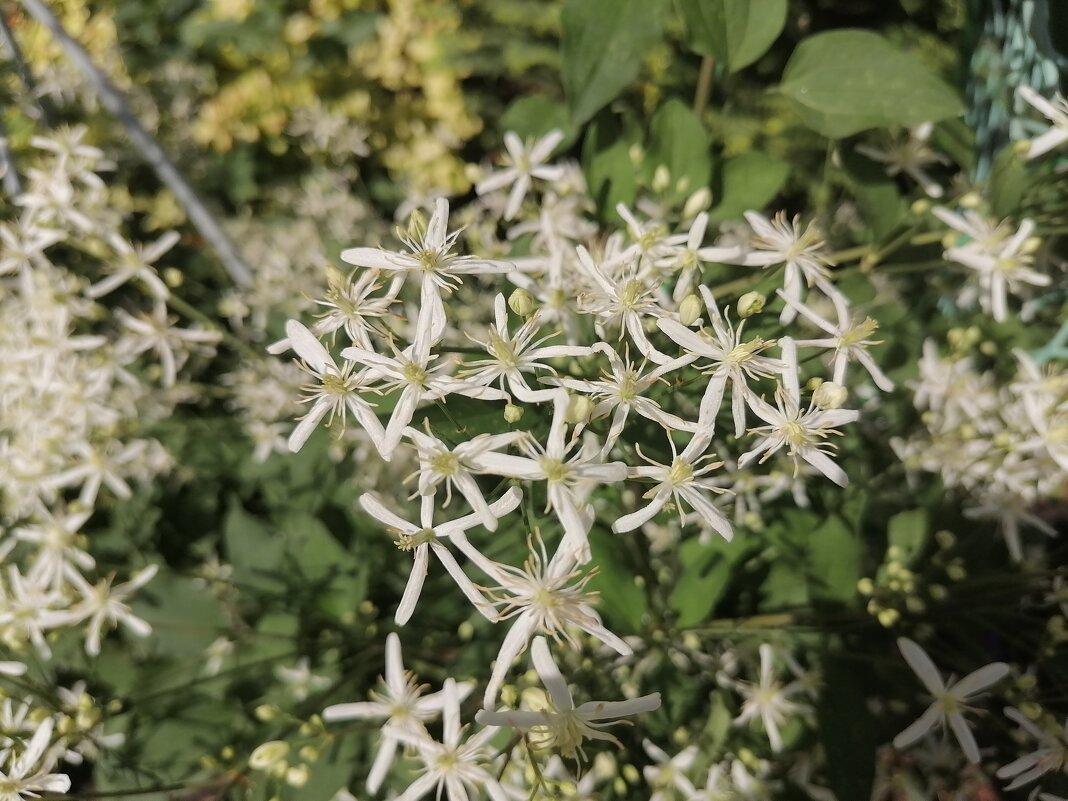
[751, 303]
[696, 203]
[690, 310]
[309, 753]
[888, 618]
[465, 631]
[636, 154]
[970, 200]
[661, 178]
[1022, 147]
[513, 413]
[522, 303]
[297, 776]
[268, 754]
[830, 395]
[173, 277]
[920, 207]
[579, 409]
[266, 712]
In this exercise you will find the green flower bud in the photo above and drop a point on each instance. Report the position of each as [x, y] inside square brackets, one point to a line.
[830, 395]
[661, 178]
[579, 409]
[522, 303]
[690, 309]
[513, 413]
[751, 303]
[268, 754]
[696, 203]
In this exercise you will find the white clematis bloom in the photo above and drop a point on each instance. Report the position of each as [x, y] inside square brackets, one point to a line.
[563, 725]
[524, 163]
[433, 259]
[950, 702]
[337, 391]
[802, 433]
[400, 702]
[426, 537]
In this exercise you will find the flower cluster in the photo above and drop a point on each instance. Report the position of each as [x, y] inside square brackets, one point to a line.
[580, 362]
[1002, 443]
[82, 383]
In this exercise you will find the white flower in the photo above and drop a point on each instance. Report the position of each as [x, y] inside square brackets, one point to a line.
[433, 259]
[1001, 269]
[849, 341]
[779, 241]
[28, 606]
[453, 766]
[410, 372]
[733, 360]
[622, 391]
[427, 537]
[767, 699]
[337, 391]
[680, 481]
[400, 701]
[668, 774]
[1050, 755]
[621, 294]
[300, 680]
[454, 467]
[156, 331]
[1056, 111]
[563, 725]
[546, 596]
[550, 463]
[911, 157]
[26, 775]
[512, 356]
[687, 257]
[949, 701]
[104, 606]
[134, 261]
[524, 163]
[802, 433]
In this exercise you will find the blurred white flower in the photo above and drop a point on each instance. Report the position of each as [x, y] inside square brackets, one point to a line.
[950, 702]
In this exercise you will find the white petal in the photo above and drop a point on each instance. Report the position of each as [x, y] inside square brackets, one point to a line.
[550, 675]
[922, 666]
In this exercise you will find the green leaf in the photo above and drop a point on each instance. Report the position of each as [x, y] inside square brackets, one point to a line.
[846, 728]
[535, 116]
[622, 598]
[253, 551]
[1008, 182]
[680, 142]
[706, 573]
[834, 561]
[606, 162]
[846, 81]
[602, 48]
[747, 182]
[784, 587]
[735, 32]
[184, 616]
[876, 193]
[908, 532]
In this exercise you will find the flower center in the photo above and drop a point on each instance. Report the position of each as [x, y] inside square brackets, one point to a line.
[503, 351]
[414, 374]
[446, 464]
[409, 542]
[554, 469]
[681, 471]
